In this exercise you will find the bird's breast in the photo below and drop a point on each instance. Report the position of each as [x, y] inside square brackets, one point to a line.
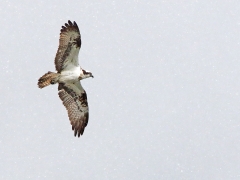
[70, 75]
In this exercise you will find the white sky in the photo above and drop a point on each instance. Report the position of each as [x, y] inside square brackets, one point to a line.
[164, 103]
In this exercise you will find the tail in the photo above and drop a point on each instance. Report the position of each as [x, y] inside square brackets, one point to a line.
[47, 79]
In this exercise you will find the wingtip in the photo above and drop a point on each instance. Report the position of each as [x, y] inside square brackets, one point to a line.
[78, 132]
[70, 22]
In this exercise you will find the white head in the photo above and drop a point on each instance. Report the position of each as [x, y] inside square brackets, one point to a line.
[86, 74]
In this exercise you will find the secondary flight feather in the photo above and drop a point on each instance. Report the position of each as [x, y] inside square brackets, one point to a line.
[68, 76]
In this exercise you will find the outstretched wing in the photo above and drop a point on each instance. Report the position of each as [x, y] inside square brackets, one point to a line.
[69, 46]
[74, 98]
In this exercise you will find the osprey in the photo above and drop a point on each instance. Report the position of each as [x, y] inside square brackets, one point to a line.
[68, 77]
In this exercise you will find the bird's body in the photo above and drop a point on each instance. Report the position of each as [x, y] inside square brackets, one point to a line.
[68, 76]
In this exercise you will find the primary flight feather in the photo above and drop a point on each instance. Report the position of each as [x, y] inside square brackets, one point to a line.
[68, 77]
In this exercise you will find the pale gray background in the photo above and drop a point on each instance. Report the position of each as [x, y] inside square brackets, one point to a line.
[164, 103]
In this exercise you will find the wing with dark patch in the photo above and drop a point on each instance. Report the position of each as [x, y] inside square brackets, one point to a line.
[74, 98]
[69, 46]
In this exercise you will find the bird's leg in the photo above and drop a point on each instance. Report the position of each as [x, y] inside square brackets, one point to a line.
[55, 80]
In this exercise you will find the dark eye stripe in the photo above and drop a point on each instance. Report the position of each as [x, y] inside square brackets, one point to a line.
[85, 72]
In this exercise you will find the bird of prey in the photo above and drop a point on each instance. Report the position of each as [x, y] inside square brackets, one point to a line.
[68, 75]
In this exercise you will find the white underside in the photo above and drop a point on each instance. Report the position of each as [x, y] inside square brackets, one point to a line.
[70, 74]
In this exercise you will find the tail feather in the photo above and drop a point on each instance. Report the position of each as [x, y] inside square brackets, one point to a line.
[47, 79]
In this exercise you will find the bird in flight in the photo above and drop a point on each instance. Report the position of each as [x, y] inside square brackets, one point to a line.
[68, 76]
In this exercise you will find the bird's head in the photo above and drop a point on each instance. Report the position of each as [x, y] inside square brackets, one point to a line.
[85, 74]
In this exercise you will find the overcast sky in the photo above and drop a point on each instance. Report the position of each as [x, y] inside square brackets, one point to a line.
[164, 103]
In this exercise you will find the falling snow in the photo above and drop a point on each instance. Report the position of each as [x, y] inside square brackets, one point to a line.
[164, 103]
